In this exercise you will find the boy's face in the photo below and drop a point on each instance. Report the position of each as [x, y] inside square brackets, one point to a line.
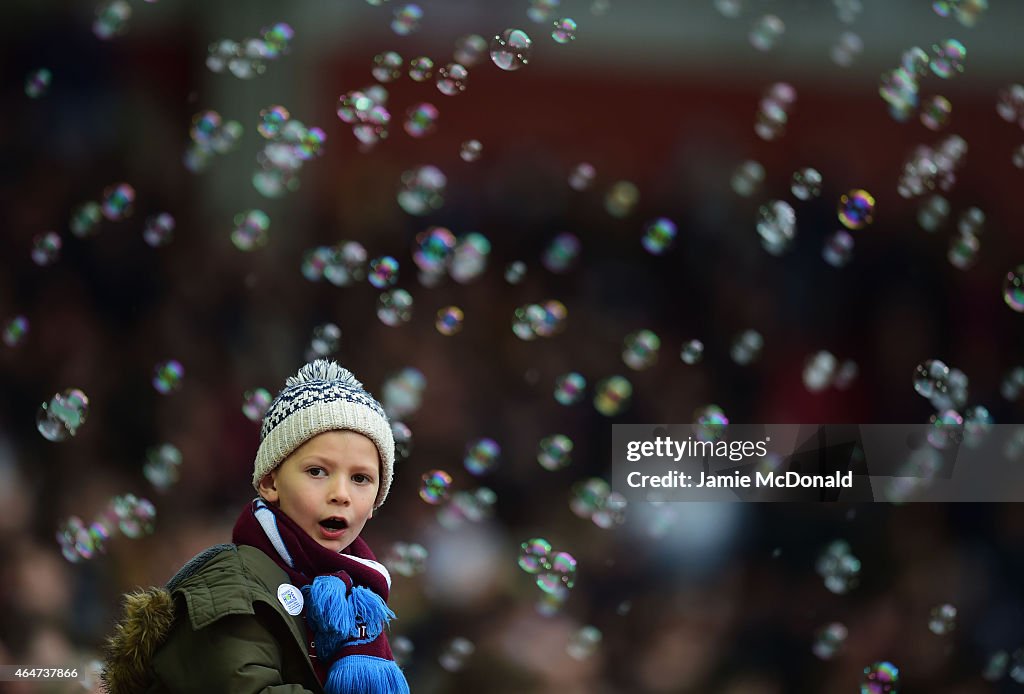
[327, 486]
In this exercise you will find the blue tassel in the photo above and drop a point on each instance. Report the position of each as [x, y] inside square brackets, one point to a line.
[365, 674]
[330, 613]
[371, 611]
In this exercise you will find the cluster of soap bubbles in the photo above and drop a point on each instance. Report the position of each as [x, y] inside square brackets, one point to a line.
[162, 466]
[539, 320]
[746, 347]
[880, 678]
[255, 403]
[929, 168]
[767, 30]
[406, 559]
[456, 653]
[402, 393]
[839, 568]
[111, 19]
[289, 144]
[133, 517]
[422, 189]
[822, 370]
[435, 486]
[747, 178]
[210, 135]
[323, 342]
[15, 331]
[167, 376]
[612, 395]
[829, 640]
[467, 507]
[776, 226]
[251, 230]
[37, 83]
[846, 49]
[46, 248]
[561, 254]
[593, 499]
[944, 387]
[366, 111]
[621, 198]
[584, 642]
[640, 350]
[964, 11]
[249, 58]
[436, 251]
[555, 571]
[899, 87]
[62, 415]
[341, 265]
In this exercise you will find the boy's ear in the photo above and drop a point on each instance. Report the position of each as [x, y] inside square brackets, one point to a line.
[268, 487]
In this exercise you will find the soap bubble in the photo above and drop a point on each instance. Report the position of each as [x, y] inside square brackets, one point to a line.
[255, 403]
[383, 272]
[806, 184]
[838, 567]
[272, 120]
[117, 202]
[880, 678]
[470, 50]
[324, 341]
[406, 559]
[37, 83]
[434, 486]
[159, 230]
[933, 213]
[640, 350]
[766, 31]
[555, 452]
[421, 119]
[1012, 383]
[819, 369]
[995, 667]
[449, 320]
[482, 456]
[935, 112]
[469, 259]
[564, 30]
[135, 515]
[569, 388]
[747, 178]
[729, 8]
[776, 226]
[167, 376]
[584, 642]
[535, 555]
[710, 423]
[948, 58]
[838, 248]
[621, 198]
[251, 230]
[515, 272]
[421, 69]
[947, 428]
[1013, 289]
[612, 395]
[111, 19]
[62, 415]
[84, 219]
[942, 620]
[1010, 104]
[394, 307]
[452, 78]
[963, 251]
[387, 66]
[456, 653]
[470, 150]
[856, 209]
[15, 331]
[510, 50]
[692, 352]
[46, 248]
[422, 190]
[561, 254]
[162, 466]
[581, 176]
[403, 393]
[659, 236]
[406, 19]
[541, 11]
[829, 641]
[846, 49]
[746, 347]
[561, 575]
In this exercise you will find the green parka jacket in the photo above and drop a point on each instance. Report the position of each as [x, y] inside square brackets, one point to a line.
[218, 626]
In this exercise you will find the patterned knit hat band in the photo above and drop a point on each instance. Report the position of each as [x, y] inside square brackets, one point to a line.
[322, 397]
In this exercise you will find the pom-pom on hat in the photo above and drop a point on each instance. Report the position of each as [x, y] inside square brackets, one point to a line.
[323, 396]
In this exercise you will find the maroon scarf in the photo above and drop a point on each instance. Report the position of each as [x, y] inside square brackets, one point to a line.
[309, 560]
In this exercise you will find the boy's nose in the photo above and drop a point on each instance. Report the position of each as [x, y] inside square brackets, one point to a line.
[340, 494]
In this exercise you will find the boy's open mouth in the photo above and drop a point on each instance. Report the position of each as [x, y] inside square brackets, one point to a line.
[334, 523]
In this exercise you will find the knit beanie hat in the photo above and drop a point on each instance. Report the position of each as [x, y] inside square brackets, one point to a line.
[323, 396]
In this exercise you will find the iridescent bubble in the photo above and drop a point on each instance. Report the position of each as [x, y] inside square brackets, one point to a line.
[710, 423]
[470, 50]
[74, 539]
[324, 341]
[249, 59]
[403, 439]
[746, 347]
[856, 209]
[422, 190]
[564, 30]
[584, 642]
[162, 466]
[659, 236]
[569, 388]
[387, 66]
[456, 653]
[403, 393]
[159, 230]
[167, 376]
[62, 415]
[930, 378]
[1010, 104]
[469, 259]
[407, 559]
[838, 567]
[847, 10]
[747, 178]
[1013, 289]
[515, 272]
[406, 19]
[452, 79]
[766, 32]
[37, 83]
[944, 8]
[730, 9]
[470, 150]
[588, 496]
[968, 11]
[1012, 383]
[621, 198]
[46, 248]
[1017, 668]
[251, 230]
[612, 395]
[846, 49]
[581, 176]
[135, 515]
[255, 403]
[277, 39]
[942, 620]
[561, 253]
[776, 226]
[482, 456]
[535, 555]
[880, 678]
[510, 50]
[935, 112]
[434, 486]
[963, 251]
[838, 248]
[846, 375]
[829, 641]
[15, 331]
[555, 452]
[347, 264]
[272, 120]
[84, 219]
[771, 120]
[692, 352]
[421, 119]
[806, 184]
[915, 62]
[640, 350]
[383, 272]
[948, 58]
[995, 667]
[541, 11]
[111, 19]
[433, 248]
[449, 320]
[394, 307]
[933, 213]
[819, 370]
[611, 513]
[978, 424]
[117, 202]
[561, 575]
[421, 69]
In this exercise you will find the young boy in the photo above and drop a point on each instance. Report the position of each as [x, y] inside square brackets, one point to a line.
[298, 602]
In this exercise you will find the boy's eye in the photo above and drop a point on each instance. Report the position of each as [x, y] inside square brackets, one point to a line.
[314, 470]
[361, 478]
